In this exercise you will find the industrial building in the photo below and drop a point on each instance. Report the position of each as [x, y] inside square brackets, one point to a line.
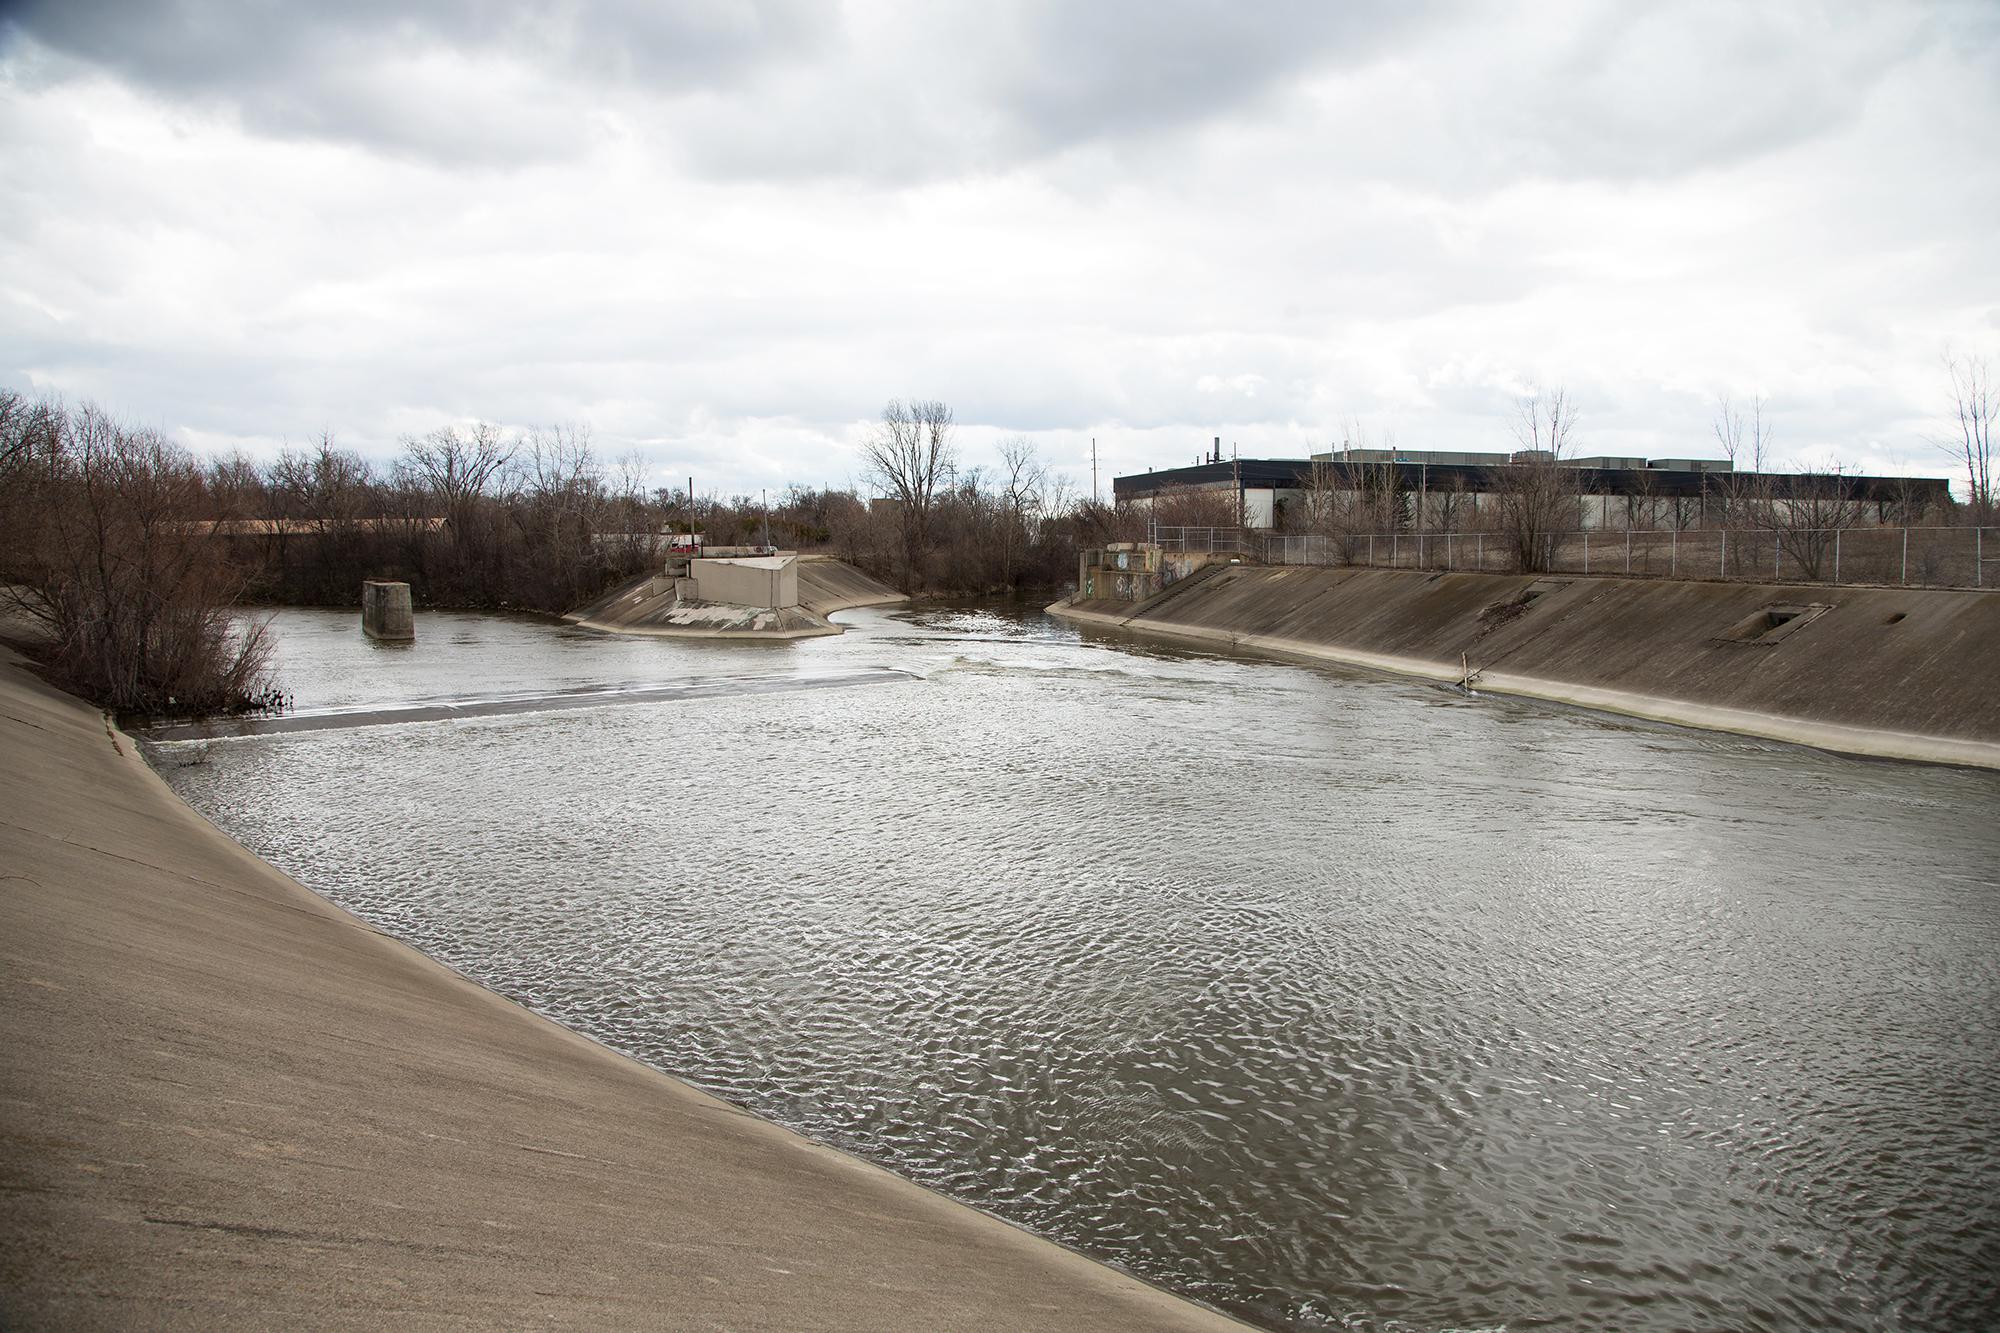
[1441, 489]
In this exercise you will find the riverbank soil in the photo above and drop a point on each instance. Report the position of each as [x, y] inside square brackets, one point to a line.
[225, 1103]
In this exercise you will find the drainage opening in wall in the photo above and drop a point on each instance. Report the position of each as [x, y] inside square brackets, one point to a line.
[1773, 624]
[1895, 618]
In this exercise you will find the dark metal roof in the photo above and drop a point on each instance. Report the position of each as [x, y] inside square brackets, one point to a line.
[1663, 483]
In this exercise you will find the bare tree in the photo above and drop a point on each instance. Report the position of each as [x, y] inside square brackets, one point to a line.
[1537, 497]
[1345, 499]
[1318, 499]
[30, 435]
[910, 459]
[1194, 507]
[1745, 437]
[561, 469]
[234, 487]
[1023, 477]
[457, 469]
[1975, 403]
[1742, 432]
[1818, 503]
[14, 413]
[563, 494]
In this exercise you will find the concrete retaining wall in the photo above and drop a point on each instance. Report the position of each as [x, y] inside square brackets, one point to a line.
[1903, 673]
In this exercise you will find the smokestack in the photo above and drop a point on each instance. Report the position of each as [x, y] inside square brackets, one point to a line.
[1216, 457]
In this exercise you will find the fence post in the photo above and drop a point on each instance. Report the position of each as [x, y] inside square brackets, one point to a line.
[1836, 557]
[1673, 553]
[1479, 551]
[1396, 549]
[1447, 550]
[1371, 548]
[1979, 557]
[1586, 550]
[1723, 570]
[1906, 557]
[1628, 553]
[1777, 554]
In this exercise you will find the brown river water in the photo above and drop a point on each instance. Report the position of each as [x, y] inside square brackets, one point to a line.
[1334, 1001]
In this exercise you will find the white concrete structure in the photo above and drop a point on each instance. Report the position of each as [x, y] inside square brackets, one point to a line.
[767, 581]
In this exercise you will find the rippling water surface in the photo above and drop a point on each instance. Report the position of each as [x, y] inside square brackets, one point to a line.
[1336, 1002]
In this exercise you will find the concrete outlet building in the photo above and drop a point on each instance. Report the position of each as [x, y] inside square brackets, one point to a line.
[770, 582]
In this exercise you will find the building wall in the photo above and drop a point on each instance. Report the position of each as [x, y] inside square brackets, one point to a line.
[763, 581]
[1668, 494]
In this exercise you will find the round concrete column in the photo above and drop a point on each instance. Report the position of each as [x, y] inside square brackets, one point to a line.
[386, 611]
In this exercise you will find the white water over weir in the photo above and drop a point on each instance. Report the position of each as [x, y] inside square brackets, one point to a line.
[1340, 1002]
[530, 702]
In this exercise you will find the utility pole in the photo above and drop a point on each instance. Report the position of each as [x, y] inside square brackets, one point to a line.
[1236, 468]
[764, 494]
[1093, 469]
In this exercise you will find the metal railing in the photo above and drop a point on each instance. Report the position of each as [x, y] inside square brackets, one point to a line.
[1967, 557]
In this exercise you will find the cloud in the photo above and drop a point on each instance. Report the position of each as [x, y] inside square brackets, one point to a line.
[452, 81]
[743, 87]
[730, 231]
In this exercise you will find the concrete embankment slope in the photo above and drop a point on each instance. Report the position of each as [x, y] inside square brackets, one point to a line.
[224, 1103]
[1903, 673]
[827, 585]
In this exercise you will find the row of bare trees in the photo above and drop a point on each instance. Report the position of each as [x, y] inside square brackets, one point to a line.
[131, 553]
[474, 517]
[131, 601]
[964, 529]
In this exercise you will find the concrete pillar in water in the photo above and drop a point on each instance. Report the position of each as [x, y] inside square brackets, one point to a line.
[385, 610]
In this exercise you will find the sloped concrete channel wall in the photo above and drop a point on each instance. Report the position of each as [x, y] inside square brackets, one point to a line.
[827, 585]
[1903, 673]
[229, 1104]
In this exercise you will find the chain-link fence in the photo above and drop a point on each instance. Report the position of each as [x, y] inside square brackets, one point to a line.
[1927, 557]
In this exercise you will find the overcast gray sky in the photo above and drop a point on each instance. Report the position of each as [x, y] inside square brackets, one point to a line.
[725, 233]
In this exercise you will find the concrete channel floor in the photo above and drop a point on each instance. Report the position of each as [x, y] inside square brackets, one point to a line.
[225, 1103]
